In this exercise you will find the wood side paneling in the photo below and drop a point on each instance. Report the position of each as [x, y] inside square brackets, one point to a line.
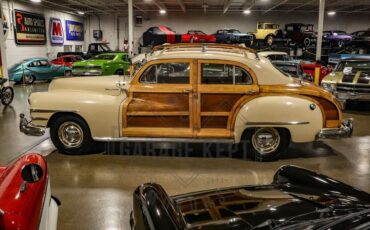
[214, 122]
[158, 121]
[218, 102]
[159, 102]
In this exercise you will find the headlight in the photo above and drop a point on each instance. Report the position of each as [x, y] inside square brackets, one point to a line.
[331, 87]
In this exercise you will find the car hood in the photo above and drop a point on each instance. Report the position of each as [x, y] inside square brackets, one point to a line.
[88, 63]
[107, 85]
[295, 193]
[360, 77]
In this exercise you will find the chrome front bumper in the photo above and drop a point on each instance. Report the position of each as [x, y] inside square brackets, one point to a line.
[345, 130]
[28, 128]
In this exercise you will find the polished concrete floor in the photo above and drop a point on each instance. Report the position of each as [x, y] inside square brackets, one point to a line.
[95, 190]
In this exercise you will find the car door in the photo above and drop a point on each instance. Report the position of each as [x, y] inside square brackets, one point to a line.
[160, 100]
[223, 87]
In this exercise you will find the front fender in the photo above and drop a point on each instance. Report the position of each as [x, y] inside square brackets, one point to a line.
[101, 112]
[291, 112]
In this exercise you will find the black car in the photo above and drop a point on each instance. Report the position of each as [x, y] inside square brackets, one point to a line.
[361, 38]
[233, 36]
[159, 35]
[296, 199]
[298, 33]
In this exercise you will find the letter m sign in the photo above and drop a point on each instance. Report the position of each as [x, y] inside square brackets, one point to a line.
[56, 31]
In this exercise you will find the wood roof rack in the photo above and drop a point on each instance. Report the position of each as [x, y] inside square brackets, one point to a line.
[204, 46]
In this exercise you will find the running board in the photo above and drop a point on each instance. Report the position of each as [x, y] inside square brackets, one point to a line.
[166, 140]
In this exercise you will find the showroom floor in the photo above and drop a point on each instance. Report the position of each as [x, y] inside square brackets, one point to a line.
[95, 190]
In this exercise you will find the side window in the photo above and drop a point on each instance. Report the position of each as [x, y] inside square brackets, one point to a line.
[34, 64]
[44, 63]
[224, 74]
[167, 73]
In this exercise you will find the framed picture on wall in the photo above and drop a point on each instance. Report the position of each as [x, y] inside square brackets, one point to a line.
[138, 20]
[29, 28]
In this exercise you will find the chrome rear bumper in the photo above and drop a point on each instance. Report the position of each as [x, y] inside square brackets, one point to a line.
[345, 130]
[28, 128]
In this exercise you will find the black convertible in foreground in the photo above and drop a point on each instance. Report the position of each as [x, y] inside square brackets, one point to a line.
[296, 199]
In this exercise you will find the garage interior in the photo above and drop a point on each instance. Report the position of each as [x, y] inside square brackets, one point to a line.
[96, 190]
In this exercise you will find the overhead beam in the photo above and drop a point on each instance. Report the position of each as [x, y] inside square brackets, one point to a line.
[135, 6]
[360, 10]
[247, 5]
[227, 4]
[182, 5]
[302, 5]
[159, 4]
[279, 4]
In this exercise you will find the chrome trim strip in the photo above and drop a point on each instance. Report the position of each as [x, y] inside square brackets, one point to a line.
[52, 111]
[39, 119]
[279, 123]
[169, 139]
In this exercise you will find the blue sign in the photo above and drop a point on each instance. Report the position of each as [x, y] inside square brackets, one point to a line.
[74, 31]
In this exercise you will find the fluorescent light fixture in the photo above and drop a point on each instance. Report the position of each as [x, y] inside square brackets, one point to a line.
[80, 12]
[36, 1]
[162, 11]
[246, 11]
[331, 13]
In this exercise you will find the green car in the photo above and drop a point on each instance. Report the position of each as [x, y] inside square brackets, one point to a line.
[102, 64]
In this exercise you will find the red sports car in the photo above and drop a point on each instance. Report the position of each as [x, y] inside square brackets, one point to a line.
[194, 36]
[25, 197]
[309, 68]
[67, 60]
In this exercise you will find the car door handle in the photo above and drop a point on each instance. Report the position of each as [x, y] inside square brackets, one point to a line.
[251, 91]
[187, 91]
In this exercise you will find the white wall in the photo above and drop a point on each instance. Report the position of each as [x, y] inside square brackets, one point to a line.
[210, 22]
[16, 53]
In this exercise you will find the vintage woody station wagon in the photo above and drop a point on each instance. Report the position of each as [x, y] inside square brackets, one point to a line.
[188, 93]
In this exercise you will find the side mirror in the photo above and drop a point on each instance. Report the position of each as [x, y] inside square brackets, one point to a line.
[32, 173]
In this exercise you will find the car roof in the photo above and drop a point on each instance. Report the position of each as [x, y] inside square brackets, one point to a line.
[113, 53]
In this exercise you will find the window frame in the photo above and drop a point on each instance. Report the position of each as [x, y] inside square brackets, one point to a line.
[226, 62]
[148, 65]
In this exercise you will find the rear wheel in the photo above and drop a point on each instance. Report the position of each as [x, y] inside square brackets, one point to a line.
[119, 72]
[340, 43]
[7, 96]
[269, 40]
[266, 144]
[71, 135]
[68, 73]
[306, 42]
[28, 79]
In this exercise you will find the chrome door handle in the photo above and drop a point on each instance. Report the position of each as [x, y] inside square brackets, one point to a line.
[251, 92]
[112, 89]
[187, 91]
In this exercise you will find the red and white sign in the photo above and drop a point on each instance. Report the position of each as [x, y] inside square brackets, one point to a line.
[56, 31]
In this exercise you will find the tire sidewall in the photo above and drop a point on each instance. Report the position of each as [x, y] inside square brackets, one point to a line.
[87, 143]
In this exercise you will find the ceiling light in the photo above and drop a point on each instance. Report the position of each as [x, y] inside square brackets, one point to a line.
[331, 13]
[36, 1]
[80, 12]
[162, 11]
[246, 11]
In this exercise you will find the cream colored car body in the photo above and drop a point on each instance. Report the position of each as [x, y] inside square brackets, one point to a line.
[99, 100]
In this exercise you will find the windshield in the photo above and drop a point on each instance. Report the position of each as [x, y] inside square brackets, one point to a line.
[234, 32]
[339, 32]
[289, 69]
[103, 57]
[353, 66]
[307, 28]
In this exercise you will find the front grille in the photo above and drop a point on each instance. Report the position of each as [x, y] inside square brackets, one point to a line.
[364, 78]
[348, 78]
[355, 88]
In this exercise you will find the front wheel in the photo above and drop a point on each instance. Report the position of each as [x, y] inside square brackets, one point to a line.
[7, 95]
[269, 40]
[119, 72]
[307, 42]
[71, 135]
[68, 73]
[266, 144]
[28, 79]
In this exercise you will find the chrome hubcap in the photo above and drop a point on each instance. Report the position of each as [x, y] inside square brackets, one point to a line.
[70, 134]
[28, 78]
[269, 40]
[266, 140]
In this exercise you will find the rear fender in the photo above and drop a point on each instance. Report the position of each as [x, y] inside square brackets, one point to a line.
[301, 115]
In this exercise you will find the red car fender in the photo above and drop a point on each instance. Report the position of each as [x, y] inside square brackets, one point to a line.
[170, 35]
[22, 210]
